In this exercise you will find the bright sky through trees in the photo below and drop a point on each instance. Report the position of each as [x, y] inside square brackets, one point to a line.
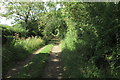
[5, 21]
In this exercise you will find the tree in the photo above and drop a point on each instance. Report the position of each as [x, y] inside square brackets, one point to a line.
[23, 11]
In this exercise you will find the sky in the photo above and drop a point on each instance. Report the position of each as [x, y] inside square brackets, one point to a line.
[3, 19]
[6, 22]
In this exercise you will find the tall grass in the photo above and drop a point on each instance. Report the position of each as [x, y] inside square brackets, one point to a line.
[29, 44]
[19, 50]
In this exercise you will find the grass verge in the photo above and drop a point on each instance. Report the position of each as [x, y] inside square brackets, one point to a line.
[34, 68]
[18, 50]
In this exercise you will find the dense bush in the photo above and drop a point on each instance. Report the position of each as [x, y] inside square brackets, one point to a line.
[91, 45]
[11, 30]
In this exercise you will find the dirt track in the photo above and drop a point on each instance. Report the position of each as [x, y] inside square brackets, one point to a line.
[21, 64]
[53, 68]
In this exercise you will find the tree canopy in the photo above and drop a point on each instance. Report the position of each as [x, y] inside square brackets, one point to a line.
[88, 32]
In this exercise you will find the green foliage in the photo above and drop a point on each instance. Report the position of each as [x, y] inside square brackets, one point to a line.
[89, 33]
[23, 11]
[71, 35]
[91, 41]
[30, 43]
[37, 64]
[19, 50]
[10, 31]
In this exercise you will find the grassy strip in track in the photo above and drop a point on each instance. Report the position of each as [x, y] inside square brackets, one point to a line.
[47, 49]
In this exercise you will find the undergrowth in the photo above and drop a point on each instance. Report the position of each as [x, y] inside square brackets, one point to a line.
[19, 50]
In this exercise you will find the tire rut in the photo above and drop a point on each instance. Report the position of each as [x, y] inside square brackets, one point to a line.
[53, 67]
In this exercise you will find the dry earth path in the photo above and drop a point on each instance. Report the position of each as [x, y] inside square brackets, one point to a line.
[53, 67]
